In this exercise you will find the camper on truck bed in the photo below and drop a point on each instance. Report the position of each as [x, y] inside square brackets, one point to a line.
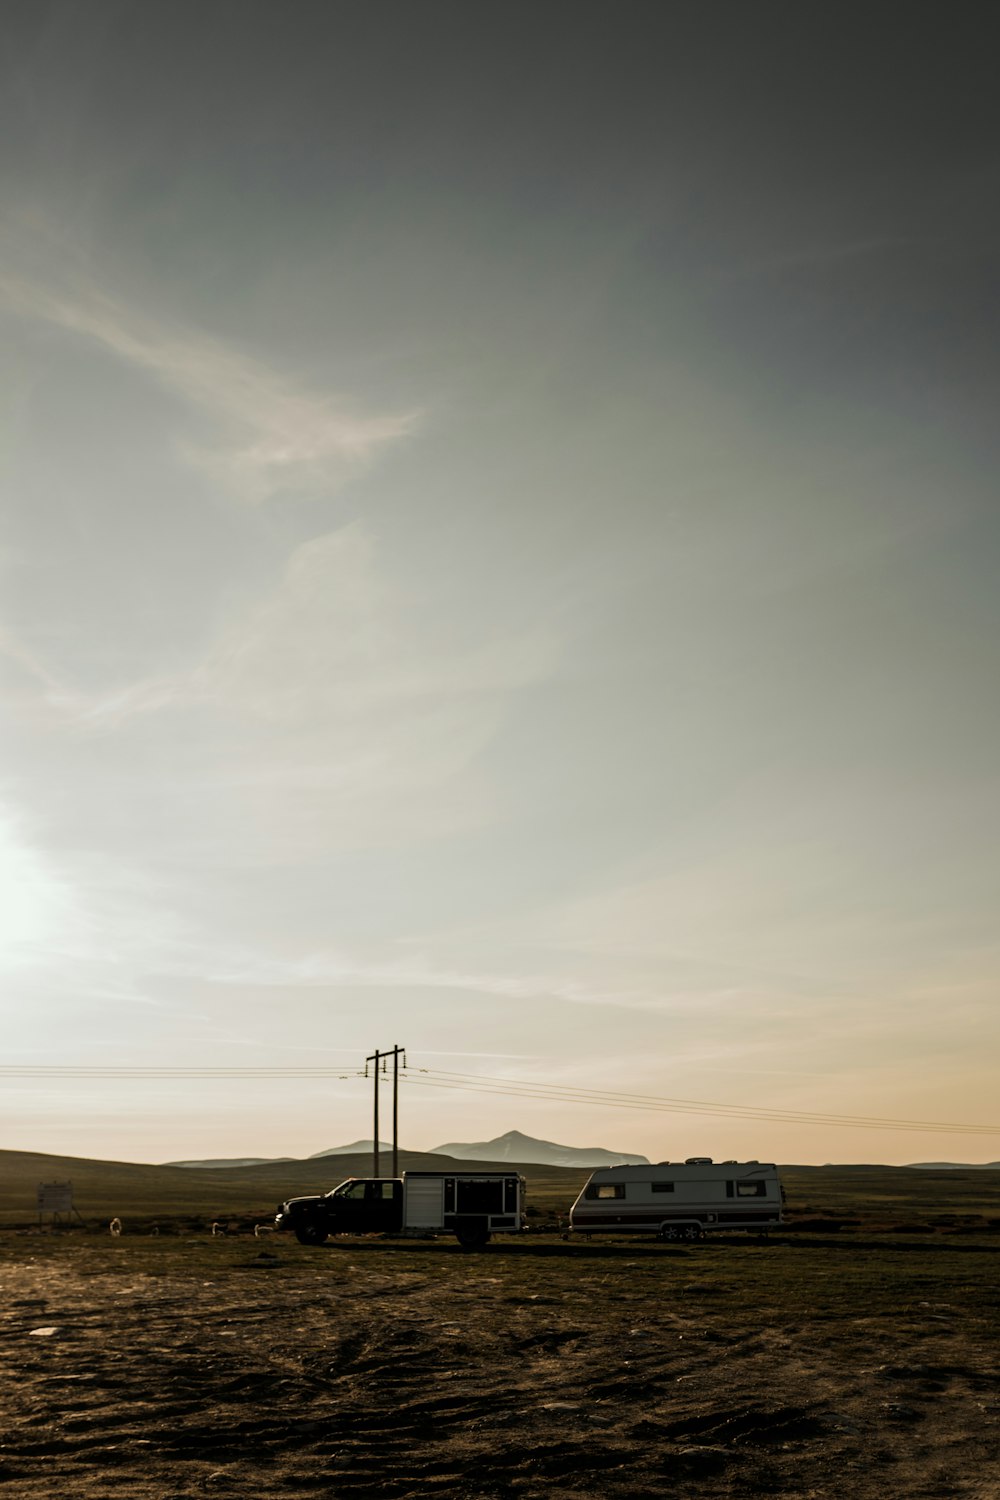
[471, 1205]
[679, 1200]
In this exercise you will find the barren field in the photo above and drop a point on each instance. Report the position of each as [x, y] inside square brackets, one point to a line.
[173, 1367]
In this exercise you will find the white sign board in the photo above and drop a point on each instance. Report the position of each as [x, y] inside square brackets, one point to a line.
[55, 1197]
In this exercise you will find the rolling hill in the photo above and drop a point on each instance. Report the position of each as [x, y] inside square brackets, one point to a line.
[214, 1163]
[104, 1189]
[139, 1193]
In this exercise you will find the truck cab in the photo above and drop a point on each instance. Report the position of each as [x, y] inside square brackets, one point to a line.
[361, 1205]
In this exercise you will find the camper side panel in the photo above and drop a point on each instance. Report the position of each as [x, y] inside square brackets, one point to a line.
[628, 1201]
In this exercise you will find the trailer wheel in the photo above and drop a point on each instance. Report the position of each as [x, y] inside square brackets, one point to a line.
[310, 1234]
[692, 1232]
[473, 1239]
[668, 1232]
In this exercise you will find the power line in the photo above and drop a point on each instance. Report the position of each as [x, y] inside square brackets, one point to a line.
[614, 1095]
[524, 1089]
[140, 1070]
[787, 1117]
[487, 1084]
[568, 1095]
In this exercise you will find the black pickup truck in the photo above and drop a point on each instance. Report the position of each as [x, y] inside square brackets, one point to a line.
[470, 1205]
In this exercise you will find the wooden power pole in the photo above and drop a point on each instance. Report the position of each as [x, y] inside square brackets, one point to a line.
[378, 1058]
[376, 1055]
[396, 1052]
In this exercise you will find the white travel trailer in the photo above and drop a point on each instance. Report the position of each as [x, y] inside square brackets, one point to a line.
[679, 1200]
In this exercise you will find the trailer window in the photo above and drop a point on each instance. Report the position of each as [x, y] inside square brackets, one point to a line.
[475, 1195]
[663, 1187]
[605, 1190]
[751, 1190]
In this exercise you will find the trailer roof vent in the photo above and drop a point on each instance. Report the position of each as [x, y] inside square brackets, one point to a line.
[698, 1161]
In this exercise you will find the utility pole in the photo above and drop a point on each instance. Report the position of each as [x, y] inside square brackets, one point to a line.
[376, 1058]
[395, 1106]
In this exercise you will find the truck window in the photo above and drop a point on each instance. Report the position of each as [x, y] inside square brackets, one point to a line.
[382, 1189]
[354, 1192]
[605, 1190]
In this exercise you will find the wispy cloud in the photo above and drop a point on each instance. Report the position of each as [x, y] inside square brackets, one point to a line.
[269, 432]
[817, 255]
[323, 969]
[347, 730]
[28, 663]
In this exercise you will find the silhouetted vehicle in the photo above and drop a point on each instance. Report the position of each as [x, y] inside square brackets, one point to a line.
[471, 1205]
[679, 1200]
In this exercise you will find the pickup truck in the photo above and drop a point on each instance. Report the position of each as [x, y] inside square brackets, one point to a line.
[470, 1205]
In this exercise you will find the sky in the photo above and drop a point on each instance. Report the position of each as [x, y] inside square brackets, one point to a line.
[498, 554]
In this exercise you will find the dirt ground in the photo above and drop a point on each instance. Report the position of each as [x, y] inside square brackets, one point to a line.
[254, 1367]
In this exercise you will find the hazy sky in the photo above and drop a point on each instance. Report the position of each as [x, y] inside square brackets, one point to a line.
[498, 553]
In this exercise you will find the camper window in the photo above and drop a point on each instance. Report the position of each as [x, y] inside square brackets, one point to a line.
[605, 1190]
[663, 1187]
[751, 1190]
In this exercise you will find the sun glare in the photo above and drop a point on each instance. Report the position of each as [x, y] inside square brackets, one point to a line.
[32, 902]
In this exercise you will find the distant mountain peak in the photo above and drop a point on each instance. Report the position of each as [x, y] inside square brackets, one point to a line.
[219, 1163]
[356, 1148]
[957, 1166]
[514, 1145]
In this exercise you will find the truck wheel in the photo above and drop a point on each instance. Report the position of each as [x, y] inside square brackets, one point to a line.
[310, 1234]
[473, 1239]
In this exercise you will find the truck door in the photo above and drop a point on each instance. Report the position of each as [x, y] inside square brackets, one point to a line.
[384, 1203]
[351, 1208]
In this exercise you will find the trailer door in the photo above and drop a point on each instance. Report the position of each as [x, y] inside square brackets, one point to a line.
[479, 1195]
[424, 1202]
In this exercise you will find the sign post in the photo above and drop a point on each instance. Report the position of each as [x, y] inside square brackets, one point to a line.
[56, 1198]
